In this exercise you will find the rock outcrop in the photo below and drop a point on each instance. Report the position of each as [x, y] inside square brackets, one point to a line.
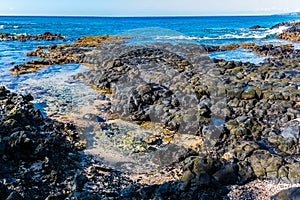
[23, 38]
[292, 31]
[259, 137]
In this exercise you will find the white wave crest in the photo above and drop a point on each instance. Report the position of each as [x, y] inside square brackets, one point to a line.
[179, 37]
[15, 27]
[1, 26]
[222, 37]
[277, 30]
[243, 34]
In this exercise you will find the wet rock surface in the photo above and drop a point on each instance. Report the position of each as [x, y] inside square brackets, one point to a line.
[264, 50]
[292, 32]
[269, 50]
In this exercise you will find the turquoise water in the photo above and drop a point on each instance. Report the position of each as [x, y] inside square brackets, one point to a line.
[56, 79]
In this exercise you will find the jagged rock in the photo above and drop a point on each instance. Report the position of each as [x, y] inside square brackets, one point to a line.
[35, 151]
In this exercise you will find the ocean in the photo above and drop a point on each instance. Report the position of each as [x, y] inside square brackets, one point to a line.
[208, 30]
[54, 84]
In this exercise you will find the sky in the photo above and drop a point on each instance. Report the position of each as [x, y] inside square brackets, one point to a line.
[147, 7]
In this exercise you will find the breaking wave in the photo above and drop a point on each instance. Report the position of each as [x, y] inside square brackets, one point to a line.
[241, 34]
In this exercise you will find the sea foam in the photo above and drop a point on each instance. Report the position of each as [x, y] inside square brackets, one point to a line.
[241, 34]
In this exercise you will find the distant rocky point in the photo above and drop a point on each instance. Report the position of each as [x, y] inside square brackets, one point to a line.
[290, 14]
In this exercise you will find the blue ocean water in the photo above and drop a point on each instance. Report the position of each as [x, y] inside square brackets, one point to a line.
[201, 29]
[56, 79]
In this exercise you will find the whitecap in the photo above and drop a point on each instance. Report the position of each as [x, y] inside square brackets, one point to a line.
[248, 35]
[237, 34]
[1, 26]
[179, 37]
[278, 30]
[15, 27]
[256, 34]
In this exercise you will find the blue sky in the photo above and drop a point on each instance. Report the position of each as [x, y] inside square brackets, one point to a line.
[147, 7]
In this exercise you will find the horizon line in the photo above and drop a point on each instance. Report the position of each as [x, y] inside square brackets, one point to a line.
[217, 15]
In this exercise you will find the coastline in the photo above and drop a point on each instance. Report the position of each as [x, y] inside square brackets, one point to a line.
[257, 118]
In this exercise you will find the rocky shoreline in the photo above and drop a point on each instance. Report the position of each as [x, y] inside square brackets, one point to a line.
[221, 123]
[23, 37]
